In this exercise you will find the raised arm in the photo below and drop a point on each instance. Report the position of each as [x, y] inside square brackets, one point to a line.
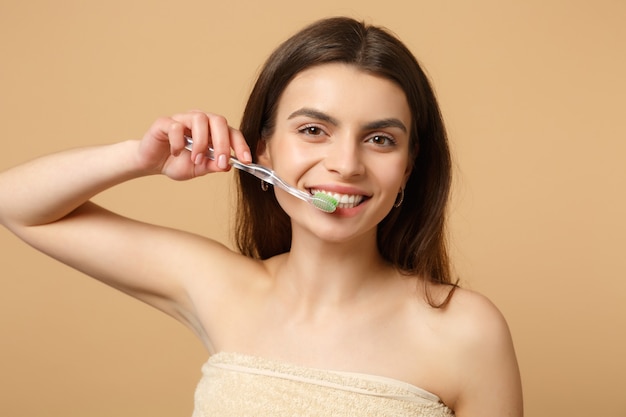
[47, 189]
[46, 203]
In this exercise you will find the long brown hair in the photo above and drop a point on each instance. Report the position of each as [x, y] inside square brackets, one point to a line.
[412, 236]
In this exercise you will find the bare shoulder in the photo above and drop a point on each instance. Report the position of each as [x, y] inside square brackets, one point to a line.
[483, 360]
[475, 319]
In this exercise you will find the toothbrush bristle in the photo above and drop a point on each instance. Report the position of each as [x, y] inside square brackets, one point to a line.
[324, 202]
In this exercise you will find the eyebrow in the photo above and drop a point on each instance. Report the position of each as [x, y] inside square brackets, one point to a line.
[314, 114]
[385, 123]
[320, 115]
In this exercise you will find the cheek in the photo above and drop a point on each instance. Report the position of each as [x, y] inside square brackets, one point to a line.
[394, 184]
[391, 170]
[393, 187]
[291, 157]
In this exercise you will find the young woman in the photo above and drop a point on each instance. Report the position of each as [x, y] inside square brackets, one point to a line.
[346, 313]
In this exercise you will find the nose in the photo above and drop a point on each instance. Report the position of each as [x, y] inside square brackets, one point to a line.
[345, 159]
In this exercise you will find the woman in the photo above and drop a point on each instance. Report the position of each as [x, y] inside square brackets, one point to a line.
[346, 313]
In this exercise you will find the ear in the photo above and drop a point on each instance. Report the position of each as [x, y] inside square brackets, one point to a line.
[263, 154]
[410, 165]
[407, 173]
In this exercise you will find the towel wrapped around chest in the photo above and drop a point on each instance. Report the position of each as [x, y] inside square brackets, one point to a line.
[241, 385]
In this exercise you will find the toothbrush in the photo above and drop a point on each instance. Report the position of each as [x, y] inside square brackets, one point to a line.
[321, 201]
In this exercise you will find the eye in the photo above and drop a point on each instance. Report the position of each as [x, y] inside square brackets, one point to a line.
[381, 140]
[311, 130]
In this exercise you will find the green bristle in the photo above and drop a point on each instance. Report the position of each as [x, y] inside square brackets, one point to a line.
[324, 202]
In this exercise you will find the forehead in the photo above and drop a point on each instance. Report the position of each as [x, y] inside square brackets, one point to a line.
[345, 92]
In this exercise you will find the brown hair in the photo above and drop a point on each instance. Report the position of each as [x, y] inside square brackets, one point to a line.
[411, 237]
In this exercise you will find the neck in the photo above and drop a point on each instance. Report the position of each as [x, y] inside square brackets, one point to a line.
[317, 274]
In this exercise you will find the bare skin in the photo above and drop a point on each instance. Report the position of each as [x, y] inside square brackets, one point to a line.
[331, 293]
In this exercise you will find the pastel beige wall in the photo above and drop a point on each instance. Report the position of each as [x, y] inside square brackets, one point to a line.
[534, 96]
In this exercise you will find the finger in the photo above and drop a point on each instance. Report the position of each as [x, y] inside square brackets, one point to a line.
[159, 130]
[200, 132]
[239, 144]
[221, 141]
[176, 137]
[195, 126]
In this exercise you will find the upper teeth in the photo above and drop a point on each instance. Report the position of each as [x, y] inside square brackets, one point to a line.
[343, 200]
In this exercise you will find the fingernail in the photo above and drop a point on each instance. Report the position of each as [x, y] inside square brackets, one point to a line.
[198, 159]
[247, 157]
[221, 162]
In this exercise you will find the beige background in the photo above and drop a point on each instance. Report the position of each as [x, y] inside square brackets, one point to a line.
[534, 96]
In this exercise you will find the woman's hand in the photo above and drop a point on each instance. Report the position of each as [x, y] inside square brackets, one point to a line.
[162, 149]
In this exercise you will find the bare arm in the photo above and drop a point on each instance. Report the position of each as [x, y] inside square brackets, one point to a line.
[49, 188]
[46, 203]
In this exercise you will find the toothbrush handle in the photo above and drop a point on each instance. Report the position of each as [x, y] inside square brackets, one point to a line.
[268, 176]
[258, 171]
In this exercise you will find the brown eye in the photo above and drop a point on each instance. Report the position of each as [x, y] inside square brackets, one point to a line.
[381, 140]
[311, 130]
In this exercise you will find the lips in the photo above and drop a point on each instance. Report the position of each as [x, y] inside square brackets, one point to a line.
[344, 200]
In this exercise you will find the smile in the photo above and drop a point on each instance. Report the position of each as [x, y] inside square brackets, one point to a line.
[344, 200]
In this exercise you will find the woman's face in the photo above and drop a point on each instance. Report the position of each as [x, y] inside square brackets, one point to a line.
[345, 132]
